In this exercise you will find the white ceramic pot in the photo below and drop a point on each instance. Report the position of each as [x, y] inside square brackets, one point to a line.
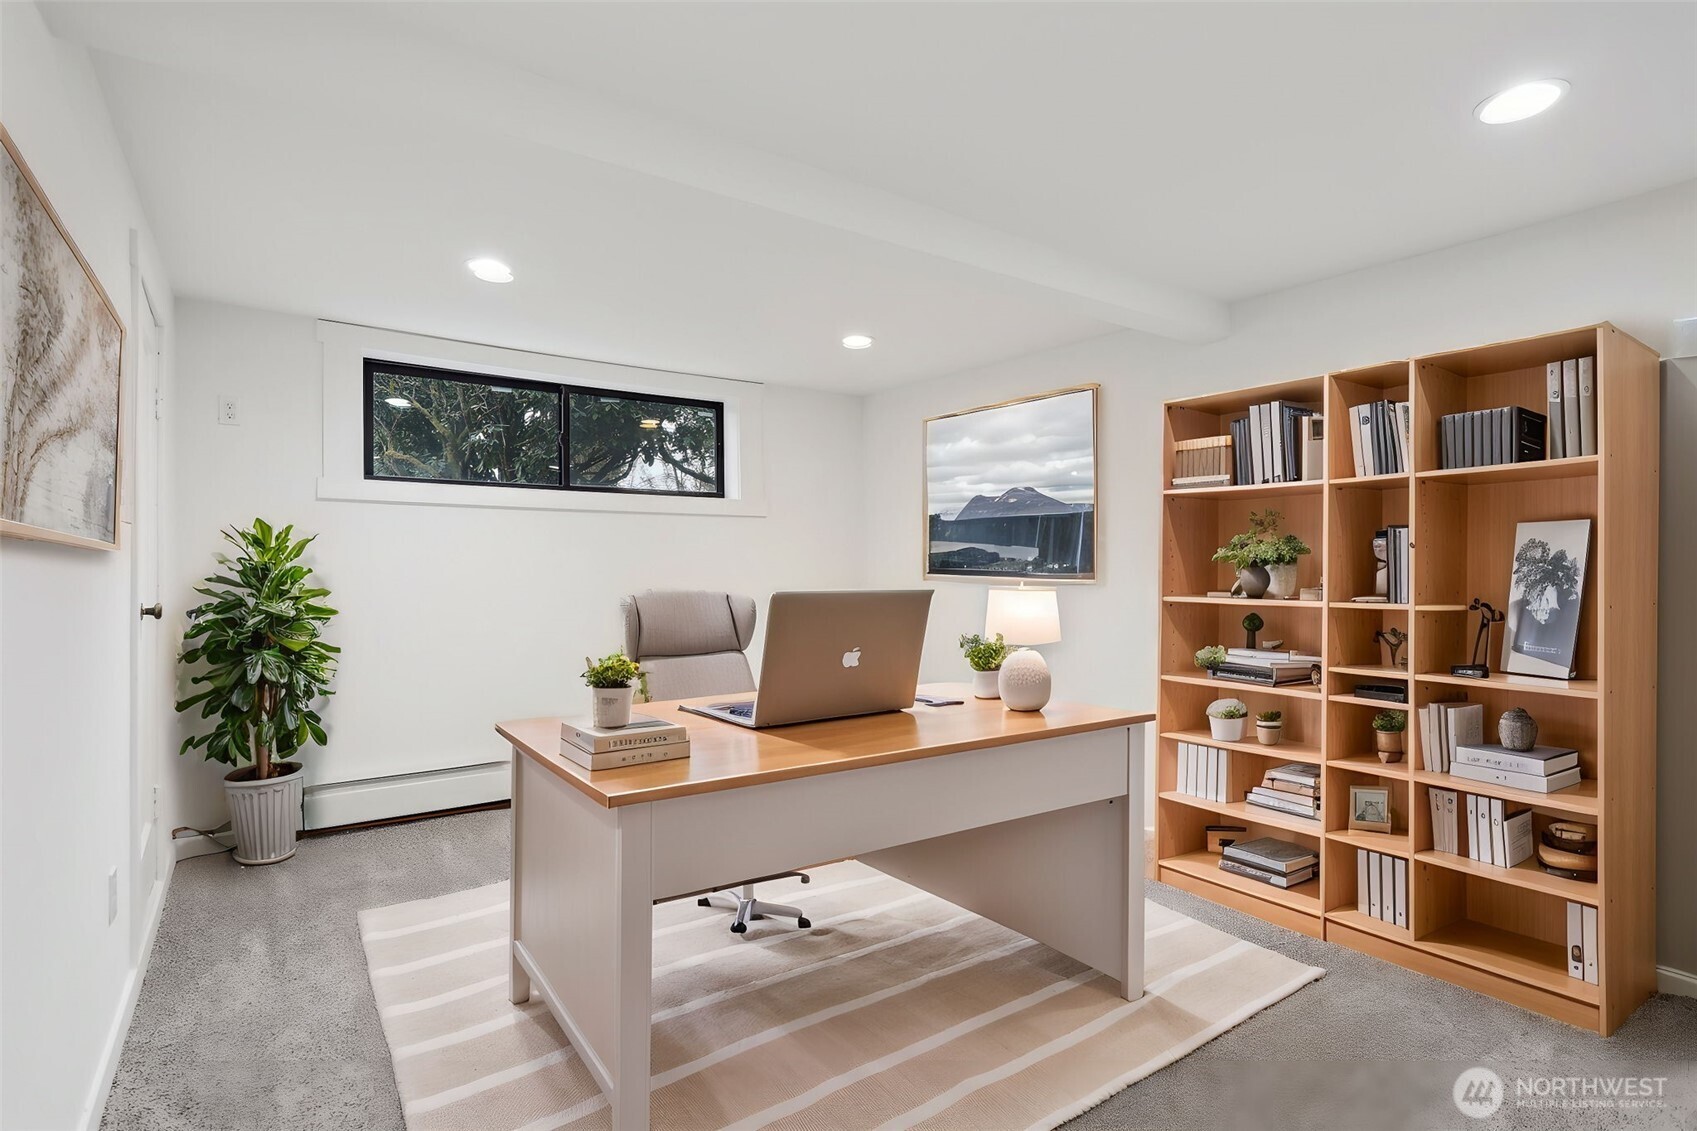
[1024, 680]
[610, 706]
[1226, 730]
[1269, 734]
[265, 815]
[1281, 581]
[985, 685]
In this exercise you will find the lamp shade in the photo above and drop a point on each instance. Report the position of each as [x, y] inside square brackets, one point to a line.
[1023, 616]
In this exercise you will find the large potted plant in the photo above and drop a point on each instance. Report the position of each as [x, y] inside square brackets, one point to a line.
[264, 669]
[1264, 559]
[985, 658]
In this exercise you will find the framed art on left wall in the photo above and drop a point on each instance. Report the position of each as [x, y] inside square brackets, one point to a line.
[61, 369]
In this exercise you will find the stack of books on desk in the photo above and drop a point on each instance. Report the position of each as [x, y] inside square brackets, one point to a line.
[646, 739]
[1293, 789]
[1273, 668]
[1270, 861]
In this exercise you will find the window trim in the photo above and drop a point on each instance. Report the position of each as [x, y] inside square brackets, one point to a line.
[371, 365]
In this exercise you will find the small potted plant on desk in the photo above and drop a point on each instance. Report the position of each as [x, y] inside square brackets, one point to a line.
[1387, 734]
[985, 658]
[1226, 719]
[1270, 727]
[613, 681]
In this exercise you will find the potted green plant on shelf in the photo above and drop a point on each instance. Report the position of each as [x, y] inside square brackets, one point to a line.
[1210, 658]
[614, 681]
[1265, 559]
[1270, 727]
[264, 668]
[1226, 719]
[985, 658]
[1387, 734]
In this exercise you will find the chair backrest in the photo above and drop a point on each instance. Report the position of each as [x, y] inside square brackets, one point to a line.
[690, 642]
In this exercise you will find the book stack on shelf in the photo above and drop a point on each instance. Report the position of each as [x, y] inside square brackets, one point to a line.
[1487, 829]
[1268, 860]
[1272, 668]
[1204, 771]
[1293, 789]
[1279, 442]
[1379, 437]
[1573, 406]
[645, 739]
[1444, 726]
[1203, 462]
[1542, 769]
[1381, 887]
[1488, 436]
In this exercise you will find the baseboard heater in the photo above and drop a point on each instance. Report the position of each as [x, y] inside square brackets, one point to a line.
[335, 804]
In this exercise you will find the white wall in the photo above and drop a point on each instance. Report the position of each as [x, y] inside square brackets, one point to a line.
[65, 622]
[454, 618]
[1632, 263]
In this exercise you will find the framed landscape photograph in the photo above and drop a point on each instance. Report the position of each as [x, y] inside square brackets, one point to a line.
[61, 359]
[1010, 489]
[1546, 593]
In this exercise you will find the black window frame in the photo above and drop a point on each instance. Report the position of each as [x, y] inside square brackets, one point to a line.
[564, 392]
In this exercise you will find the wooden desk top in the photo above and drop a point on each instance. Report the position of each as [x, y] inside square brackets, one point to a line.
[726, 756]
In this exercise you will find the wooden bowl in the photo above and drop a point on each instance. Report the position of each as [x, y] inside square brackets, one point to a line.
[1571, 847]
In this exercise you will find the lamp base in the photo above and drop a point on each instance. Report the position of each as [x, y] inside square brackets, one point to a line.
[1024, 680]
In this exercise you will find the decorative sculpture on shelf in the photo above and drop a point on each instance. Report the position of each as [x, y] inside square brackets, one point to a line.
[1480, 668]
[1251, 625]
[1393, 638]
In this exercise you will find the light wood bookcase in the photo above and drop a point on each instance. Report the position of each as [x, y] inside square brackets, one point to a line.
[1501, 931]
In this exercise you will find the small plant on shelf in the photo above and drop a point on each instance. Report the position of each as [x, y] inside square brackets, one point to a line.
[1264, 558]
[985, 658]
[1387, 734]
[1270, 727]
[1226, 719]
[1210, 658]
[614, 680]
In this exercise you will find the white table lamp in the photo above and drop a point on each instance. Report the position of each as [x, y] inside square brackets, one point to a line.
[1024, 616]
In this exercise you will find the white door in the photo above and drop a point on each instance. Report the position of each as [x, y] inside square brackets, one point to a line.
[146, 710]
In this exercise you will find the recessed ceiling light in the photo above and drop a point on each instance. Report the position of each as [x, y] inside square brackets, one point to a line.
[490, 270]
[856, 342]
[398, 402]
[1518, 103]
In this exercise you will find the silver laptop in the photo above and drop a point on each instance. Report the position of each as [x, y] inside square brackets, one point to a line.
[832, 655]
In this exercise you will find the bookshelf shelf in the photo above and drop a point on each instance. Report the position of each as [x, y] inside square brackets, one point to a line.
[1283, 752]
[1245, 812]
[1526, 874]
[1581, 798]
[1501, 931]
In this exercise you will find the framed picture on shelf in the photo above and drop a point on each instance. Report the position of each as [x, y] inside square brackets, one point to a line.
[1370, 808]
[1546, 594]
[1010, 489]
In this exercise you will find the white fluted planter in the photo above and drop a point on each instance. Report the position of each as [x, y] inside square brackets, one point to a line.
[265, 815]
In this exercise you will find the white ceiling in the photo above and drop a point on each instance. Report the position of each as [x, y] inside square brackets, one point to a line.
[729, 188]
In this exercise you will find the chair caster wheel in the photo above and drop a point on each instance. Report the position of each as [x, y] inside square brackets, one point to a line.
[738, 928]
[803, 923]
[704, 902]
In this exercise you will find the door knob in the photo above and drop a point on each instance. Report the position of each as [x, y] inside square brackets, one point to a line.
[155, 610]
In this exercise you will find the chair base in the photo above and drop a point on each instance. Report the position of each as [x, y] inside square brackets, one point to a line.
[748, 908]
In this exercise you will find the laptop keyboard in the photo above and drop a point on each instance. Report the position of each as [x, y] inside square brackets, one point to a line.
[740, 710]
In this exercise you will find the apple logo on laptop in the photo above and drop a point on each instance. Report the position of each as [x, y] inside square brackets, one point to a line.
[851, 658]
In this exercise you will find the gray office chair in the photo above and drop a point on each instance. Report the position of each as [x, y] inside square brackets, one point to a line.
[691, 644]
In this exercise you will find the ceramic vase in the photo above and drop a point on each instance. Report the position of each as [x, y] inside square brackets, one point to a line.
[1281, 581]
[1024, 680]
[1517, 730]
[1389, 743]
[1252, 580]
[984, 685]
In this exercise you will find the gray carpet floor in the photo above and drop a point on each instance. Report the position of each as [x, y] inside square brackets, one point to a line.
[256, 1015]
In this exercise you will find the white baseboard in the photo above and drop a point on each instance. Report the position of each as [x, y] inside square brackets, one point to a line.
[189, 845]
[94, 1106]
[1671, 981]
[378, 799]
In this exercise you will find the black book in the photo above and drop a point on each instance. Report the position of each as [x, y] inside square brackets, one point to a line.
[1389, 692]
[1527, 429]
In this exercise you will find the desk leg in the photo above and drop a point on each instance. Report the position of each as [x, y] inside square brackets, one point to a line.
[633, 928]
[518, 981]
[1131, 986]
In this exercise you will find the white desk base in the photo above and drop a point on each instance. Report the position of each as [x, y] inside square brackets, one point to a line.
[1044, 837]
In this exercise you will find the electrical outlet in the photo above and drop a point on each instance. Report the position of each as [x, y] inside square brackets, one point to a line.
[227, 410]
[111, 897]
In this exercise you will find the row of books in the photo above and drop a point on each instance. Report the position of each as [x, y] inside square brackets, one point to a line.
[1485, 829]
[1573, 406]
[1203, 462]
[1582, 942]
[1279, 442]
[1397, 588]
[1292, 789]
[1273, 668]
[645, 739]
[1379, 437]
[1269, 860]
[1381, 886]
[1204, 771]
[1451, 743]
[1489, 436]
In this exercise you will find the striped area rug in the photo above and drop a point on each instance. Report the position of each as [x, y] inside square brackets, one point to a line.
[897, 1009]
